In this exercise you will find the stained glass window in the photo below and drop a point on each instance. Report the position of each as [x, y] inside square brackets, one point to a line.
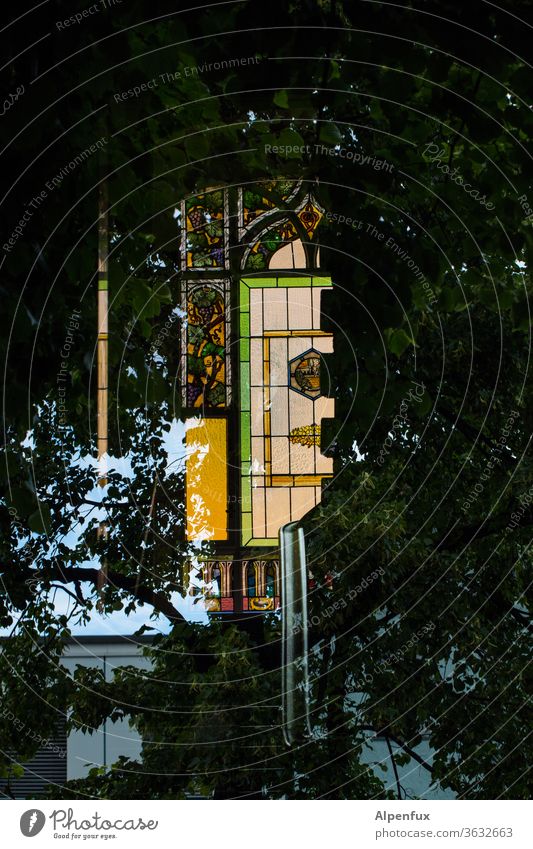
[260, 581]
[281, 402]
[250, 580]
[270, 241]
[281, 233]
[205, 242]
[206, 478]
[213, 582]
[304, 374]
[278, 361]
[262, 198]
[205, 362]
[271, 582]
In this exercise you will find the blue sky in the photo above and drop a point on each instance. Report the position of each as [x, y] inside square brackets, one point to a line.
[118, 623]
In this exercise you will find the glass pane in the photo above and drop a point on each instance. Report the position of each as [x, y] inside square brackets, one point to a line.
[205, 230]
[206, 479]
[280, 235]
[262, 197]
[269, 242]
[215, 582]
[205, 358]
[283, 404]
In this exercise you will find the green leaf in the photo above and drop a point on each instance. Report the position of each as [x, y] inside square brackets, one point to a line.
[448, 299]
[16, 770]
[330, 133]
[291, 139]
[398, 341]
[335, 71]
[281, 99]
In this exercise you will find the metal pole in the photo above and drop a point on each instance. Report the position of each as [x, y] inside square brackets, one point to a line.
[102, 365]
[294, 639]
[103, 330]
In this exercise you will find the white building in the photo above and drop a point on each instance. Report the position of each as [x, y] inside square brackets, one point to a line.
[65, 758]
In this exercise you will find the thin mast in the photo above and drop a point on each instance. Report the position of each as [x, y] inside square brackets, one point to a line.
[103, 329]
[102, 365]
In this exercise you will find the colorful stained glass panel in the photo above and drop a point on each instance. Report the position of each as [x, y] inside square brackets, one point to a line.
[205, 358]
[205, 232]
[279, 235]
[304, 374]
[253, 204]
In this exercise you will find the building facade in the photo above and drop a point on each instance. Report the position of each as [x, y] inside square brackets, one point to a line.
[64, 757]
[252, 380]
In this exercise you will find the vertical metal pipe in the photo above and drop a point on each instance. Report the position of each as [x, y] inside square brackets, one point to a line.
[102, 366]
[294, 640]
[103, 331]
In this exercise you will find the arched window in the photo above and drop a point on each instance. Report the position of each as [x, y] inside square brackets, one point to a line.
[270, 581]
[215, 581]
[251, 581]
[272, 588]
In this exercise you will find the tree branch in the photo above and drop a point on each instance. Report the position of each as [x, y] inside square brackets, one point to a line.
[104, 504]
[385, 732]
[157, 600]
[72, 574]
[395, 768]
[66, 590]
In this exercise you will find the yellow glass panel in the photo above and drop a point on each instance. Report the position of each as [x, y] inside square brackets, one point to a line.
[206, 479]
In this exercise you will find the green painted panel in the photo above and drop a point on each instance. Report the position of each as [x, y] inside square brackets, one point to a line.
[288, 282]
[245, 386]
[262, 541]
[246, 528]
[259, 282]
[246, 492]
[245, 324]
[246, 499]
[294, 281]
[245, 436]
[244, 350]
